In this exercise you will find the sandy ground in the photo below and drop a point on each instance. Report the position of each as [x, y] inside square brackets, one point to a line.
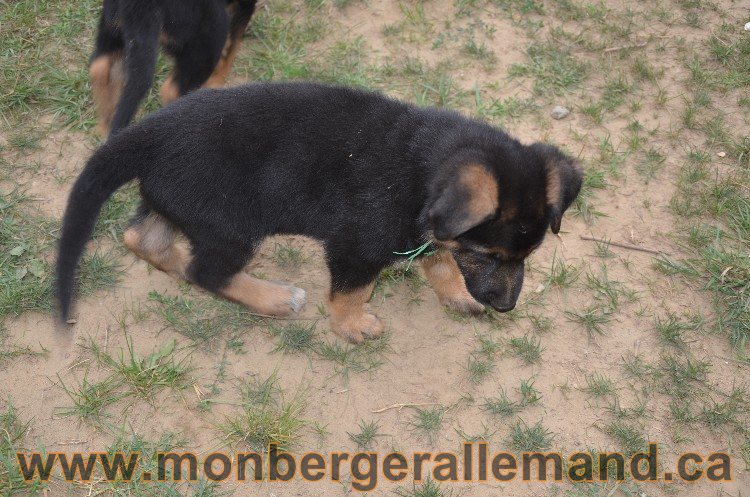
[429, 349]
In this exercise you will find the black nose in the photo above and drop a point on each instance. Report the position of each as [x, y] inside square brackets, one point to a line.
[504, 308]
[498, 303]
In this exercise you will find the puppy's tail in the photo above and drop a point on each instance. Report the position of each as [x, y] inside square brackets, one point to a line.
[104, 173]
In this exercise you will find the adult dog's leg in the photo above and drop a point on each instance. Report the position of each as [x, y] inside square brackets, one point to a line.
[105, 69]
[195, 61]
[107, 79]
[446, 279]
[241, 11]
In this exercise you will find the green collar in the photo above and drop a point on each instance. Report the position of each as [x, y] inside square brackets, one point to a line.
[427, 249]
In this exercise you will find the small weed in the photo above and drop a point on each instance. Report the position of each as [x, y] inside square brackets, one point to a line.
[260, 425]
[525, 438]
[145, 375]
[367, 434]
[598, 385]
[287, 256]
[428, 421]
[592, 318]
[427, 489]
[90, 399]
[630, 439]
[479, 367]
[294, 336]
[527, 348]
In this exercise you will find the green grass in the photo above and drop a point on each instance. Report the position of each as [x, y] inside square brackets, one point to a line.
[554, 68]
[598, 385]
[144, 376]
[429, 488]
[288, 256]
[560, 273]
[503, 406]
[203, 319]
[427, 422]
[526, 348]
[525, 438]
[12, 434]
[89, 399]
[592, 318]
[266, 420]
[36, 33]
[631, 440]
[293, 336]
[26, 240]
[129, 443]
[583, 206]
[366, 357]
[366, 436]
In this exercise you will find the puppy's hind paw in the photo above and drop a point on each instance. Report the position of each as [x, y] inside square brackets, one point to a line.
[297, 298]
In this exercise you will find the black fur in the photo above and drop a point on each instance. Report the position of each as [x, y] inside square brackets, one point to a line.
[193, 32]
[356, 170]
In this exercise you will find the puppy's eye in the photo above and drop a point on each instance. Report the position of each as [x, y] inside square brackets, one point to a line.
[522, 229]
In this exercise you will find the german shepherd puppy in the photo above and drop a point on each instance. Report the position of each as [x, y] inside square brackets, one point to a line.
[366, 175]
[198, 34]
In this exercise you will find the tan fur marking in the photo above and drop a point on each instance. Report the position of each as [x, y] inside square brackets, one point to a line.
[482, 187]
[349, 319]
[169, 91]
[153, 241]
[264, 297]
[107, 79]
[554, 187]
[446, 279]
[221, 72]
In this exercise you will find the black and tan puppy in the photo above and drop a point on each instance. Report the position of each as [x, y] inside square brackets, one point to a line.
[203, 37]
[366, 175]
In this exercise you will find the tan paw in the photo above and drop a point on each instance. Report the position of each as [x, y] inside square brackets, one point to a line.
[464, 304]
[356, 328]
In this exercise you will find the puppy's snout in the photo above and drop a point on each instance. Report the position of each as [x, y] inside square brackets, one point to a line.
[500, 303]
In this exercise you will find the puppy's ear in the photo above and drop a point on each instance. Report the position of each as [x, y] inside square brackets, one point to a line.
[469, 199]
[564, 180]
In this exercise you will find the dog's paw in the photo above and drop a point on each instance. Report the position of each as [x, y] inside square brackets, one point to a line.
[356, 329]
[279, 299]
[287, 300]
[464, 305]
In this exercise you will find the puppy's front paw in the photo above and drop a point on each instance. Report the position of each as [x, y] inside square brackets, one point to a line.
[464, 305]
[356, 328]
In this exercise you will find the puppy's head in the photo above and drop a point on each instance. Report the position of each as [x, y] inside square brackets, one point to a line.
[493, 212]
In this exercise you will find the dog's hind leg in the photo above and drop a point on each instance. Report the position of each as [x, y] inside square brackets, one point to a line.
[241, 12]
[152, 238]
[105, 69]
[217, 267]
[446, 279]
[107, 79]
[195, 61]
